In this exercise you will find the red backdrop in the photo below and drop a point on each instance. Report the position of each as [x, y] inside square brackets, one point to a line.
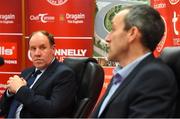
[170, 12]
[71, 23]
[10, 39]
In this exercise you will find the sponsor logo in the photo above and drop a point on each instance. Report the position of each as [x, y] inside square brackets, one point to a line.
[173, 2]
[160, 6]
[76, 18]
[62, 17]
[7, 18]
[57, 2]
[42, 17]
[8, 50]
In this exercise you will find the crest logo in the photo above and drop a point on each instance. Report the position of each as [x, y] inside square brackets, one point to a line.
[173, 2]
[57, 2]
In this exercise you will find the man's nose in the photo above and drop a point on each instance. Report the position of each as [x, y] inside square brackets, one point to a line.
[37, 52]
[107, 38]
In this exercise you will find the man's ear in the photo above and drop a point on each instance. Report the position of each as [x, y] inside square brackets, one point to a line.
[133, 34]
[53, 48]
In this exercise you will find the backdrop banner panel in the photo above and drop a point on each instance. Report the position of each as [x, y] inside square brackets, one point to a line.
[170, 12]
[71, 22]
[10, 40]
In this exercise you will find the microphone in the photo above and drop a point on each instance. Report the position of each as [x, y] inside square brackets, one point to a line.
[1, 61]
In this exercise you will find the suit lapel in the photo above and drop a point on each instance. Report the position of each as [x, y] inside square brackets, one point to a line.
[128, 79]
[28, 74]
[96, 111]
[46, 74]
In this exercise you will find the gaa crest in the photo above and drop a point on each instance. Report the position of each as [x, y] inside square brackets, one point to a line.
[173, 2]
[57, 2]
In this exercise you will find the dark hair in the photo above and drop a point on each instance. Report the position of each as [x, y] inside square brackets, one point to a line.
[148, 21]
[49, 36]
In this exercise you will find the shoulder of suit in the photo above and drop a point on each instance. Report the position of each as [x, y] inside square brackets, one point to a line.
[28, 69]
[155, 65]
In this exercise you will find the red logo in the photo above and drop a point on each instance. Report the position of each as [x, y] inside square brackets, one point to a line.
[57, 2]
[173, 2]
[8, 50]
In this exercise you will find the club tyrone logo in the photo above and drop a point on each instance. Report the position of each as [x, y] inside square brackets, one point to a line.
[57, 2]
[42, 17]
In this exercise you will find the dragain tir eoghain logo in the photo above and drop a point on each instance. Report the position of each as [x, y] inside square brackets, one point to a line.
[57, 2]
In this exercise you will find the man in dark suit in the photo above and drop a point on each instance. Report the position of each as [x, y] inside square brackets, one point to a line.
[53, 91]
[142, 86]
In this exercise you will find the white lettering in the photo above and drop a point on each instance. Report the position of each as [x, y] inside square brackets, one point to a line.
[75, 16]
[4, 51]
[32, 17]
[161, 5]
[83, 52]
[174, 20]
[71, 52]
[10, 61]
[7, 16]
[44, 18]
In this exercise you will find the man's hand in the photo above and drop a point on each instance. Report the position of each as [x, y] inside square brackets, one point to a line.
[14, 83]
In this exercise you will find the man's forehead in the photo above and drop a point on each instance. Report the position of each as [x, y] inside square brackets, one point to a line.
[119, 16]
[38, 34]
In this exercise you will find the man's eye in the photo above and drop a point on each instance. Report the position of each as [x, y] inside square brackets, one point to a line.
[32, 49]
[42, 48]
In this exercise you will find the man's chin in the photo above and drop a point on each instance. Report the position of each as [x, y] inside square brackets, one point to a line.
[111, 58]
[39, 66]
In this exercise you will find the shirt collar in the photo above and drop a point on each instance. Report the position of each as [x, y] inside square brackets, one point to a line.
[125, 71]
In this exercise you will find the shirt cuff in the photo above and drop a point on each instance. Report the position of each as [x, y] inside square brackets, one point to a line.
[9, 94]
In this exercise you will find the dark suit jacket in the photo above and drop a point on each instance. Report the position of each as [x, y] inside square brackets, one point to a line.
[53, 95]
[148, 91]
